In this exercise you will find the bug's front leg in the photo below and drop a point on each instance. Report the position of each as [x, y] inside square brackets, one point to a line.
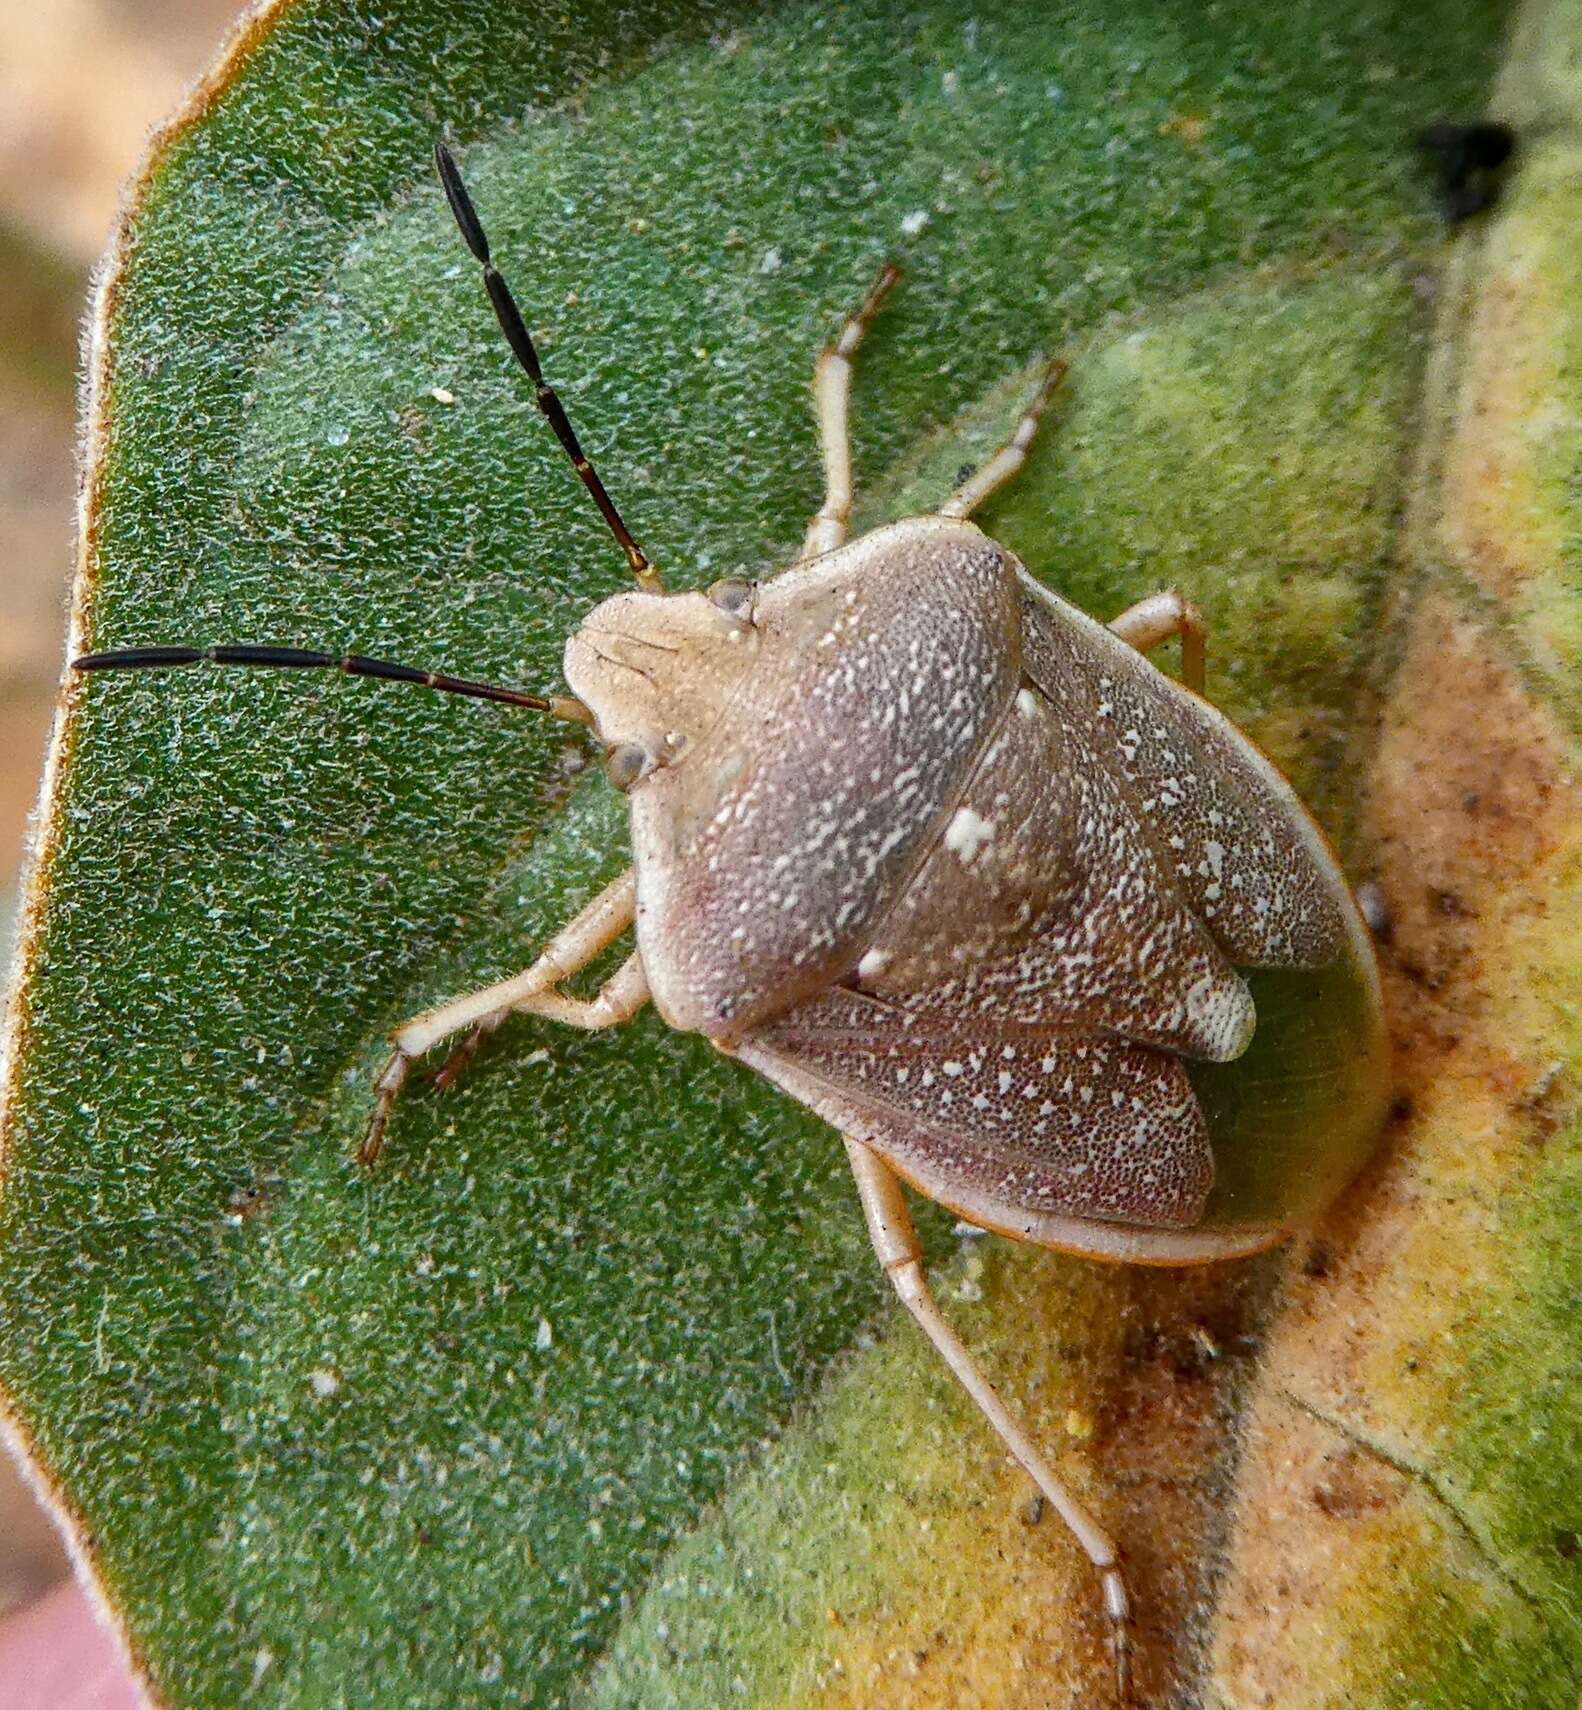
[572, 948]
[832, 395]
[895, 1243]
[1160, 617]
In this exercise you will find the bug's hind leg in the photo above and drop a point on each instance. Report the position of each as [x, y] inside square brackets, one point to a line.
[998, 469]
[896, 1245]
[572, 948]
[1160, 617]
[832, 395]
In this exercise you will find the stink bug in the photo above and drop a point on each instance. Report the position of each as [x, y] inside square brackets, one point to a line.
[1029, 922]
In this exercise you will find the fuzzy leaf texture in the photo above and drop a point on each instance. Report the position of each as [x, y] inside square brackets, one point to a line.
[591, 1394]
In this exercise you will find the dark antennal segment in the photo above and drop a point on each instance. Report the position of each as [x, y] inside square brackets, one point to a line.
[303, 659]
[521, 343]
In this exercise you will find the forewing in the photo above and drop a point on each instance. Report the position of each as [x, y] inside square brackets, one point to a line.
[1029, 1118]
[1242, 849]
[1045, 903]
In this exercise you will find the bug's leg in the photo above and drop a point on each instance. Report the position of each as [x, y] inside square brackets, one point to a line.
[572, 948]
[1160, 617]
[832, 394]
[999, 468]
[617, 1000]
[896, 1244]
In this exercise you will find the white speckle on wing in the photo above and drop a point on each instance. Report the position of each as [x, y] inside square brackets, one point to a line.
[967, 833]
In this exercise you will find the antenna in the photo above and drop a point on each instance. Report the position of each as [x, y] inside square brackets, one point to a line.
[521, 343]
[302, 659]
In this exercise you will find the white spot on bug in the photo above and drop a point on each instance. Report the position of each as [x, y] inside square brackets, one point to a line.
[873, 964]
[915, 222]
[953, 1068]
[442, 394]
[967, 833]
[544, 1340]
[325, 1382]
[1224, 1014]
[771, 262]
[1027, 703]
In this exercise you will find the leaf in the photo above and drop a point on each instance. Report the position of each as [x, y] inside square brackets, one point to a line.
[576, 1400]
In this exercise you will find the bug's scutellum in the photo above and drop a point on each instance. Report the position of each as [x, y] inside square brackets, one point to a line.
[949, 862]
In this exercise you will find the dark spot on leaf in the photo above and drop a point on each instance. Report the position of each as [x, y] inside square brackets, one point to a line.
[1468, 162]
[1352, 1486]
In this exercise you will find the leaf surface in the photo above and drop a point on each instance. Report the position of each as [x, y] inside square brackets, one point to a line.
[576, 1399]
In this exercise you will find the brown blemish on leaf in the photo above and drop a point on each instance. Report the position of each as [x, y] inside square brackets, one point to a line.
[1352, 1484]
[1468, 795]
[1474, 814]
[1192, 128]
[1340, 1527]
[1006, 1613]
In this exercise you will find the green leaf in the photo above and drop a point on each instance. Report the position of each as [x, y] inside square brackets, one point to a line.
[576, 1398]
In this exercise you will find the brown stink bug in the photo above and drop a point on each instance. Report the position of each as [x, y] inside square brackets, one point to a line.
[1030, 923]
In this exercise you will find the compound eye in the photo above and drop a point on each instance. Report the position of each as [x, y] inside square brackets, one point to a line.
[735, 597]
[626, 763]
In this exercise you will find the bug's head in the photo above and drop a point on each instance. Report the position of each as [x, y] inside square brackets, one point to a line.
[656, 670]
